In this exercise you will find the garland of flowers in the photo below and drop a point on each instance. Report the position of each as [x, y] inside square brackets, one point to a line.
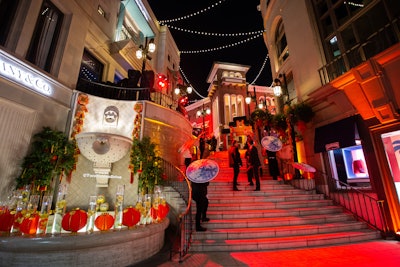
[298, 114]
[81, 110]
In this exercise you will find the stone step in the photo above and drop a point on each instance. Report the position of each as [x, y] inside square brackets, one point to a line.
[277, 221]
[291, 242]
[268, 205]
[263, 198]
[278, 216]
[278, 231]
[265, 213]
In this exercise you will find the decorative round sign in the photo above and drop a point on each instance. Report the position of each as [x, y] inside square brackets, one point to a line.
[202, 170]
[271, 143]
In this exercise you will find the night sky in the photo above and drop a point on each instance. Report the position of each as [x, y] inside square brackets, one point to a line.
[227, 16]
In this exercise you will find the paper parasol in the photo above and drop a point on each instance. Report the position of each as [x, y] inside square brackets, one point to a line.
[202, 170]
[271, 143]
[303, 167]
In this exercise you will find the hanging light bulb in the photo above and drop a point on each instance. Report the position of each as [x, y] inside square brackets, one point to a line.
[189, 89]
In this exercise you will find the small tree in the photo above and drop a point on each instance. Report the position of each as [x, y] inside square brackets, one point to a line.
[146, 161]
[51, 154]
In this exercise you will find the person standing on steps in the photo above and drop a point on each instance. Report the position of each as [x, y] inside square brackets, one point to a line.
[199, 194]
[249, 171]
[202, 146]
[187, 155]
[235, 162]
[254, 162]
[273, 165]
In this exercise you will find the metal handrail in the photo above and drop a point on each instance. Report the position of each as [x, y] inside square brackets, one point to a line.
[363, 206]
[179, 181]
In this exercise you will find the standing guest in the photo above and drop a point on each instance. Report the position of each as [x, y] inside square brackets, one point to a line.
[213, 144]
[235, 162]
[249, 171]
[187, 157]
[254, 162]
[199, 194]
[273, 165]
[202, 146]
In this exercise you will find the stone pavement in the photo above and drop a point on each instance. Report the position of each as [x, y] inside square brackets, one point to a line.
[375, 253]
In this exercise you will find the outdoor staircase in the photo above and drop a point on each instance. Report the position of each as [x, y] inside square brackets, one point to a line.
[277, 217]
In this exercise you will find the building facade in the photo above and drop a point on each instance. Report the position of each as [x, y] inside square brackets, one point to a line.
[342, 58]
[46, 46]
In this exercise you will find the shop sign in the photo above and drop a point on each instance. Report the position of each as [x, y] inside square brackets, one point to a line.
[18, 73]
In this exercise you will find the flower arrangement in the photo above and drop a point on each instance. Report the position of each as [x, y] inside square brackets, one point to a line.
[52, 154]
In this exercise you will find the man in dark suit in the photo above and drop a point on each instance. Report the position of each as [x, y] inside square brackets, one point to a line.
[254, 162]
[199, 194]
[235, 162]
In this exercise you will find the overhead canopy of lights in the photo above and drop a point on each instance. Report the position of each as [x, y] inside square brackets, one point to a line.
[252, 35]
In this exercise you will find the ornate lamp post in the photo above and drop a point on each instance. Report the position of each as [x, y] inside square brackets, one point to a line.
[202, 113]
[278, 92]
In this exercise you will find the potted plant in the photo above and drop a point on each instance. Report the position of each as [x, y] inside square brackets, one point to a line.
[146, 162]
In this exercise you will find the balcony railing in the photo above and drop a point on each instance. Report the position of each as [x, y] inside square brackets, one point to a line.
[112, 91]
[362, 205]
[376, 43]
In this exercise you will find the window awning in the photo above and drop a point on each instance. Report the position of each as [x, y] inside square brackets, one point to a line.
[343, 133]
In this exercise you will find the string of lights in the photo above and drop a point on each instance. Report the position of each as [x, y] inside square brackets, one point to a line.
[188, 82]
[162, 22]
[261, 69]
[220, 47]
[214, 33]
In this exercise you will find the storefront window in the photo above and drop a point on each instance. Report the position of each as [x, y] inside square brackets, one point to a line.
[44, 41]
[91, 68]
[348, 165]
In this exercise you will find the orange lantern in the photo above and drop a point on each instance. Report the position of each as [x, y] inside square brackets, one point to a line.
[163, 210]
[308, 175]
[29, 224]
[74, 220]
[130, 216]
[288, 176]
[104, 222]
[6, 221]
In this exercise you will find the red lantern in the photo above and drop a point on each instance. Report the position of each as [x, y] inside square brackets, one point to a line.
[104, 222]
[163, 210]
[130, 217]
[30, 224]
[74, 220]
[6, 221]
